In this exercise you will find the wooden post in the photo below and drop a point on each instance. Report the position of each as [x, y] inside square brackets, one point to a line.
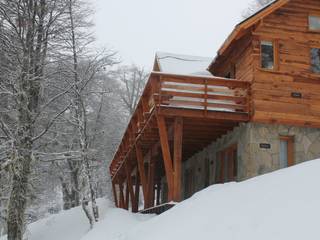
[121, 195]
[166, 154]
[135, 208]
[115, 194]
[130, 185]
[126, 206]
[142, 173]
[151, 173]
[177, 158]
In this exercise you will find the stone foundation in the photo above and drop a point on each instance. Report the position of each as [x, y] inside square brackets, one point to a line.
[253, 160]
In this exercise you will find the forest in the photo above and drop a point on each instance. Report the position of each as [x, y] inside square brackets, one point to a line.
[64, 104]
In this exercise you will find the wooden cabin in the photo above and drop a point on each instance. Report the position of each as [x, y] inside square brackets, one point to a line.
[254, 109]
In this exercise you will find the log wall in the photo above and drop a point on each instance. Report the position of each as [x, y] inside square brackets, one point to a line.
[272, 91]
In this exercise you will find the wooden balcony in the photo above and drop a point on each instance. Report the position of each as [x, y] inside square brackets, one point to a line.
[176, 116]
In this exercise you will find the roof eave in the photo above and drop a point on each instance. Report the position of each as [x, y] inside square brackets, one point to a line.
[247, 23]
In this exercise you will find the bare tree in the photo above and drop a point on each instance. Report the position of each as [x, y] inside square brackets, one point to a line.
[83, 65]
[26, 32]
[132, 81]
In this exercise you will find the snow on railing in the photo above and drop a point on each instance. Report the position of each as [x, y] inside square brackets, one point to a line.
[200, 93]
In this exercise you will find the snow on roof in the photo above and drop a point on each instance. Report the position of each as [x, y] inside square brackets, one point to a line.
[258, 10]
[183, 64]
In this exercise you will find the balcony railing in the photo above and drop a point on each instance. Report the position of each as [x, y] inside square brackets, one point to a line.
[199, 94]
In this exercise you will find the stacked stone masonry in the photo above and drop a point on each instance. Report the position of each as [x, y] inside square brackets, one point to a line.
[253, 160]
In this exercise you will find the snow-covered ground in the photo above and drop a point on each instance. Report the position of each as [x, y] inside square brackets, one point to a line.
[73, 224]
[281, 205]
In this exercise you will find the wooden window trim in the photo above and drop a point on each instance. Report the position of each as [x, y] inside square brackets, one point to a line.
[290, 141]
[312, 73]
[276, 58]
[309, 25]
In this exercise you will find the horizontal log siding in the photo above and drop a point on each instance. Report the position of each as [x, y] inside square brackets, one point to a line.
[271, 90]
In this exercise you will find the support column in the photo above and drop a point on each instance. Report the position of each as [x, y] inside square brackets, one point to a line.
[142, 173]
[166, 154]
[126, 206]
[177, 158]
[151, 173]
[135, 208]
[115, 194]
[130, 186]
[121, 205]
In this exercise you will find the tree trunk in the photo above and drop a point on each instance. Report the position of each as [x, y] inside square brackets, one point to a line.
[85, 207]
[18, 197]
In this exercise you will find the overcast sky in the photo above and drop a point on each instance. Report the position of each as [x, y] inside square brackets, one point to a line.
[139, 28]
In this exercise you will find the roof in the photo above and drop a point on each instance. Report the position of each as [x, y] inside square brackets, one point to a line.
[182, 64]
[262, 8]
[249, 22]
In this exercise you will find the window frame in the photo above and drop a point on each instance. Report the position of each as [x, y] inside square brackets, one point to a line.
[310, 58]
[290, 149]
[275, 44]
[309, 25]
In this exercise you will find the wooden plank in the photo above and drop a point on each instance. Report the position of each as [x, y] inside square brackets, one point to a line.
[193, 113]
[169, 94]
[177, 158]
[166, 154]
[203, 105]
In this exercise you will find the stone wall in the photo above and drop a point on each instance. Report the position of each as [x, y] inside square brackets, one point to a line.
[252, 159]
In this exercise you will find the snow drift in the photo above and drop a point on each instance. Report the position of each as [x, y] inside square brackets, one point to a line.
[281, 205]
[277, 206]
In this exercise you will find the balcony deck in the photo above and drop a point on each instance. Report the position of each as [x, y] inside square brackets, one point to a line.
[176, 117]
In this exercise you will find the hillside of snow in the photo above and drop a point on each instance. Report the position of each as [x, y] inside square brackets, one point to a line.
[73, 224]
[278, 206]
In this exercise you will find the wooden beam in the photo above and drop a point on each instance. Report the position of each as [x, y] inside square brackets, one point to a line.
[135, 208]
[177, 158]
[151, 174]
[122, 204]
[195, 113]
[130, 186]
[142, 174]
[166, 154]
[115, 194]
[126, 205]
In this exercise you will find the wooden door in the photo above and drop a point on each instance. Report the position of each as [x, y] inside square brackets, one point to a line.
[227, 165]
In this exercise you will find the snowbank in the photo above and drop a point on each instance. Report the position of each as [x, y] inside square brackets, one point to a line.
[73, 224]
[281, 205]
[277, 206]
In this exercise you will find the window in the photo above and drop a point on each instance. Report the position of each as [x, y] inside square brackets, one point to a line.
[231, 72]
[228, 75]
[314, 23]
[267, 55]
[315, 60]
[286, 152]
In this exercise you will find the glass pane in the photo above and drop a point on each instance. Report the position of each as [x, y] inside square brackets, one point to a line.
[315, 60]
[314, 22]
[283, 154]
[267, 55]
